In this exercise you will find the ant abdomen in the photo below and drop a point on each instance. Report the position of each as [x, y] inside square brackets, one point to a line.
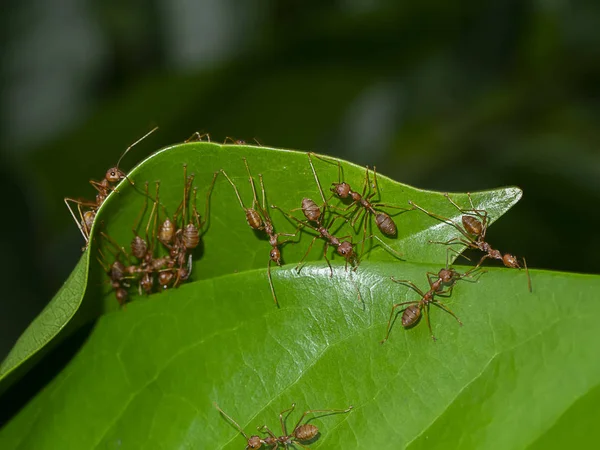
[117, 271]
[139, 247]
[190, 236]
[88, 219]
[306, 432]
[254, 219]
[311, 210]
[472, 225]
[385, 224]
[411, 316]
[166, 232]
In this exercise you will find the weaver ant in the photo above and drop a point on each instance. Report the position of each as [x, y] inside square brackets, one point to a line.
[301, 433]
[112, 177]
[361, 202]
[440, 285]
[315, 214]
[474, 227]
[258, 219]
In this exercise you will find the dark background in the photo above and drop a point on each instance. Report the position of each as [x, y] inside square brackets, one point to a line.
[452, 96]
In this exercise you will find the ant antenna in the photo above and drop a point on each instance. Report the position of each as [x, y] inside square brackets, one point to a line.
[135, 143]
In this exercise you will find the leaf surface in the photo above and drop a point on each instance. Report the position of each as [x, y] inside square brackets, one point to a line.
[148, 375]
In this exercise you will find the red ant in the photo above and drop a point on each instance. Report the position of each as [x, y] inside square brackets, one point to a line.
[362, 202]
[304, 432]
[112, 177]
[258, 219]
[474, 228]
[315, 214]
[442, 286]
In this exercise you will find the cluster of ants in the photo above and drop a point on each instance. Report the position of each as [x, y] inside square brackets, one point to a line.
[163, 258]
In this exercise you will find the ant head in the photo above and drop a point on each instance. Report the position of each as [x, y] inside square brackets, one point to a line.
[342, 190]
[472, 225]
[447, 275]
[117, 270]
[275, 256]
[345, 249]
[114, 175]
[511, 261]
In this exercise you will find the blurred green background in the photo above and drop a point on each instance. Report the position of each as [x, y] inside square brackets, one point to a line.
[452, 96]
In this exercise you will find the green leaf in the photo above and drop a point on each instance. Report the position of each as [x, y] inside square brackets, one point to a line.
[147, 376]
[149, 373]
[229, 244]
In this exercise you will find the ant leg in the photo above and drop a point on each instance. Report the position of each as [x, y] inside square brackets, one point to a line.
[426, 312]
[366, 182]
[141, 214]
[362, 246]
[316, 179]
[443, 219]
[329, 411]
[197, 137]
[396, 253]
[264, 196]
[288, 411]
[266, 429]
[77, 222]
[410, 284]
[199, 222]
[453, 241]
[251, 180]
[300, 222]
[152, 212]
[271, 283]
[231, 421]
[528, 277]
[391, 320]
[448, 310]
[235, 189]
[298, 268]
[325, 248]
[356, 214]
